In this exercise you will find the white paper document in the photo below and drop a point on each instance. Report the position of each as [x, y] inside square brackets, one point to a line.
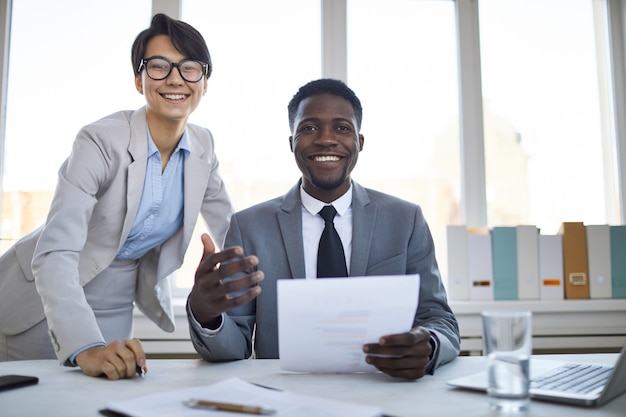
[324, 323]
[236, 391]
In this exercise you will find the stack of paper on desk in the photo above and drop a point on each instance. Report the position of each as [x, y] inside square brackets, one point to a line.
[236, 391]
[324, 323]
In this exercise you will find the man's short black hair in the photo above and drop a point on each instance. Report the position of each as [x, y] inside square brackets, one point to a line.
[187, 40]
[325, 86]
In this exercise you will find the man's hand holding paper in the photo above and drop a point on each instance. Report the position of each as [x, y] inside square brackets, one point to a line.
[405, 355]
[325, 324]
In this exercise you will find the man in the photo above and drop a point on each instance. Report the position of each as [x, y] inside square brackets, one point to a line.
[381, 235]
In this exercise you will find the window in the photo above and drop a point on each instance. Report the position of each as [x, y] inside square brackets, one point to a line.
[67, 68]
[549, 152]
[405, 73]
[542, 112]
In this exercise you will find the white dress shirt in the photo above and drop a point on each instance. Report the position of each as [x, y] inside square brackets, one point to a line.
[313, 226]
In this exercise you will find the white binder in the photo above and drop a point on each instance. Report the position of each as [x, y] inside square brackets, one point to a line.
[551, 267]
[599, 260]
[458, 279]
[528, 262]
[480, 266]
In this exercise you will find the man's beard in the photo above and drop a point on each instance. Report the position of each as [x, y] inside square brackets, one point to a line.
[330, 184]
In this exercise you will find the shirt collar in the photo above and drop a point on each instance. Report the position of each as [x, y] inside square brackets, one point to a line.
[183, 144]
[313, 205]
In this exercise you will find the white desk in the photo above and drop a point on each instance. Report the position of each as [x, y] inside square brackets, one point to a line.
[66, 392]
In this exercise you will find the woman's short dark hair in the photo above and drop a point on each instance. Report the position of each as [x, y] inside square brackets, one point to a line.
[325, 86]
[187, 40]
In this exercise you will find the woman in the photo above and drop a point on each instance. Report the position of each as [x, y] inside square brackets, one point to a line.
[121, 219]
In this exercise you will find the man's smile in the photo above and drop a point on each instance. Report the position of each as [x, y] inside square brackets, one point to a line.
[326, 158]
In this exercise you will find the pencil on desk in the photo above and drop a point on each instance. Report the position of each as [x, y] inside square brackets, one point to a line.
[238, 408]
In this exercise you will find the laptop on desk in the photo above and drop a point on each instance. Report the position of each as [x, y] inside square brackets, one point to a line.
[573, 383]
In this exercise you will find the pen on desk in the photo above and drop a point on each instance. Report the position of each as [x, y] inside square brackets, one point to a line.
[238, 408]
[141, 372]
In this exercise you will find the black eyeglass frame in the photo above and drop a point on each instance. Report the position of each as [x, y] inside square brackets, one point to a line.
[144, 64]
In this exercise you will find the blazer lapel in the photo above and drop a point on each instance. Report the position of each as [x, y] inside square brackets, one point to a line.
[196, 173]
[363, 223]
[290, 223]
[138, 150]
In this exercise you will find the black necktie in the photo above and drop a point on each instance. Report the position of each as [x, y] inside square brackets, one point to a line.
[331, 261]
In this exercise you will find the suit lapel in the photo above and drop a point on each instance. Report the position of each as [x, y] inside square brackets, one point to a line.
[363, 224]
[196, 173]
[138, 150]
[290, 223]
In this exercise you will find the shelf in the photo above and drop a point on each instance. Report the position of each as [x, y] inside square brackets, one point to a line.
[540, 306]
[559, 326]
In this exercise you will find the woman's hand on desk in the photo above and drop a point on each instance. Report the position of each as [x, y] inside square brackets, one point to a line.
[117, 360]
[403, 355]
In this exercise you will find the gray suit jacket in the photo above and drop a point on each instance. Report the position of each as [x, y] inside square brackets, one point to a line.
[94, 206]
[390, 237]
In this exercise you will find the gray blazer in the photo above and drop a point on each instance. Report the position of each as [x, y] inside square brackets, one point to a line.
[94, 206]
[390, 237]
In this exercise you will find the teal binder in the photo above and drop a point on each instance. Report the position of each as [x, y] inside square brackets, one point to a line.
[618, 261]
[504, 250]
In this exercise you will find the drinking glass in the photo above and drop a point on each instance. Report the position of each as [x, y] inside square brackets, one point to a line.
[507, 343]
